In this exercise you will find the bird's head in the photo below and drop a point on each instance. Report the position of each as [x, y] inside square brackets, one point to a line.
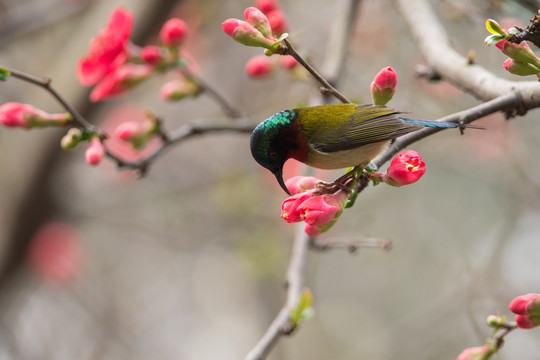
[270, 144]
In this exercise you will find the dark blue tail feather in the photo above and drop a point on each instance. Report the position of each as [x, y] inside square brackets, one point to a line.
[439, 124]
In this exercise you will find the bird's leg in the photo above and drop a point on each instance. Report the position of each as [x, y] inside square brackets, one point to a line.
[340, 183]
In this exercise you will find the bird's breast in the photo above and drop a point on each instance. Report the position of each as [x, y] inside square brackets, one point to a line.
[345, 158]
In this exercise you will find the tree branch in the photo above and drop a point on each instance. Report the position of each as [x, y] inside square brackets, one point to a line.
[444, 61]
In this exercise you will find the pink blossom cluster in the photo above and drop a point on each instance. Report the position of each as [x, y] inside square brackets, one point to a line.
[318, 211]
[527, 310]
[114, 65]
[262, 27]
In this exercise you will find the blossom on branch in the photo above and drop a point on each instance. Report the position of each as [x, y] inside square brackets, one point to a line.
[173, 32]
[108, 49]
[95, 151]
[405, 168]
[527, 308]
[13, 114]
[259, 66]
[383, 86]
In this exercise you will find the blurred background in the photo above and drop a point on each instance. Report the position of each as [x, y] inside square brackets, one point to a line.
[189, 261]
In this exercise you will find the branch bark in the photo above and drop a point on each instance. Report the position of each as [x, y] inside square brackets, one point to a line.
[444, 61]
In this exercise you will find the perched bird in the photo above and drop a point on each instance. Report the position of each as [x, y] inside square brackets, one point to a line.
[331, 136]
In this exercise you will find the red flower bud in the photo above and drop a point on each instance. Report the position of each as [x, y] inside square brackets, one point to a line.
[267, 6]
[383, 86]
[259, 66]
[173, 32]
[518, 68]
[13, 114]
[95, 151]
[476, 353]
[256, 18]
[405, 168]
[290, 211]
[278, 22]
[151, 54]
[246, 33]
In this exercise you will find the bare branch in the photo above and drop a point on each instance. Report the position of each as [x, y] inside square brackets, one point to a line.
[434, 46]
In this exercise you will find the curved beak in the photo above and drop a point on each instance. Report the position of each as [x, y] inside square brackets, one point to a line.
[279, 177]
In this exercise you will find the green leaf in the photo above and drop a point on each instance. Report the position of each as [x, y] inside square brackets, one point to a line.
[303, 309]
[4, 74]
[493, 27]
[513, 30]
[371, 167]
[493, 39]
[351, 200]
[275, 45]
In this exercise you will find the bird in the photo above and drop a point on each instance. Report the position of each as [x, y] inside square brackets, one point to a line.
[332, 136]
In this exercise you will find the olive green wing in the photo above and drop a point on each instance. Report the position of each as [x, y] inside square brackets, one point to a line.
[367, 124]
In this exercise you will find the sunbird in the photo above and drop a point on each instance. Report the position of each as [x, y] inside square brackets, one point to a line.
[331, 136]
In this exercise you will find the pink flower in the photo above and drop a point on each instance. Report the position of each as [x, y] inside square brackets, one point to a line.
[476, 353]
[55, 252]
[259, 66]
[320, 210]
[108, 49]
[267, 6]
[405, 168]
[246, 33]
[95, 151]
[278, 22]
[151, 54]
[298, 184]
[124, 78]
[290, 209]
[13, 114]
[256, 18]
[173, 32]
[383, 86]
[527, 308]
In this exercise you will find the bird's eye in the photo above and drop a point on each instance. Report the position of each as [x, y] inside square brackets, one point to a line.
[273, 156]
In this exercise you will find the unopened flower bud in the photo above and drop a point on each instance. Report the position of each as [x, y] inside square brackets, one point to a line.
[256, 18]
[95, 151]
[151, 54]
[259, 66]
[477, 353]
[267, 6]
[518, 68]
[383, 86]
[278, 22]
[246, 34]
[173, 32]
[71, 139]
[519, 52]
[13, 114]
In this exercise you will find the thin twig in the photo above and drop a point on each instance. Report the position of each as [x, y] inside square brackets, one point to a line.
[327, 87]
[351, 244]
[226, 107]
